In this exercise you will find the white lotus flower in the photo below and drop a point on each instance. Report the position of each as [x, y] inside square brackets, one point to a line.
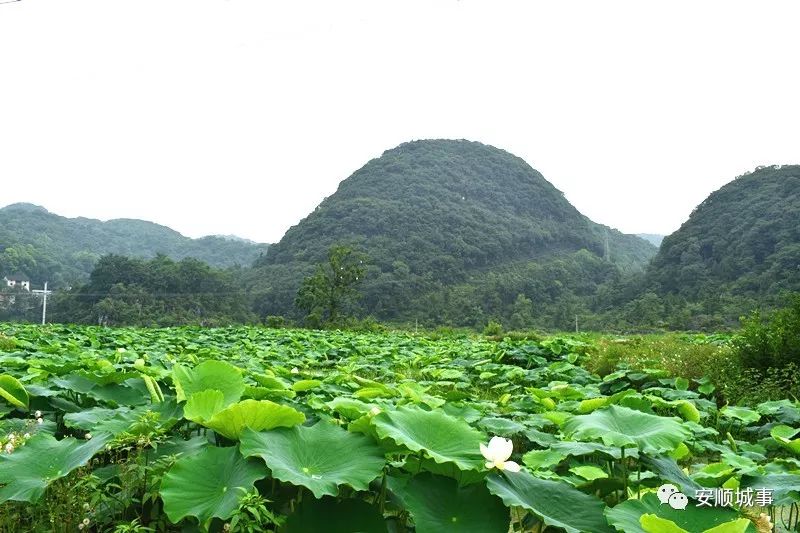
[497, 454]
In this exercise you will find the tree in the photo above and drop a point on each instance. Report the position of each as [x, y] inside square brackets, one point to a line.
[327, 296]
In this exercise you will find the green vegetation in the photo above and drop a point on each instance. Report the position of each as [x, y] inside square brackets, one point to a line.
[327, 297]
[124, 291]
[456, 232]
[740, 249]
[63, 251]
[252, 429]
[459, 234]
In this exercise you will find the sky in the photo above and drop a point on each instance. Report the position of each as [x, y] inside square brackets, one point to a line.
[241, 116]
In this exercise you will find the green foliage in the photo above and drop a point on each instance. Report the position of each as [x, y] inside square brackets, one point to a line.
[456, 231]
[493, 329]
[45, 246]
[208, 484]
[160, 291]
[741, 246]
[771, 343]
[395, 438]
[253, 516]
[438, 505]
[328, 296]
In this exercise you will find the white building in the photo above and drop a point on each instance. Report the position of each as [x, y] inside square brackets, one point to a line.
[18, 281]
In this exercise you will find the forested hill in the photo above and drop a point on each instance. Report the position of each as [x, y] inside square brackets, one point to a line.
[442, 220]
[46, 246]
[743, 241]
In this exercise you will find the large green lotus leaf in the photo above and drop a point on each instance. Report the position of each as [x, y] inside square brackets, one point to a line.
[438, 505]
[349, 408]
[258, 415]
[124, 420]
[134, 392]
[26, 473]
[320, 457]
[785, 487]
[620, 426]
[210, 374]
[655, 524]
[627, 515]
[330, 516]
[578, 449]
[203, 405]
[88, 418]
[13, 391]
[556, 503]
[742, 525]
[748, 416]
[668, 470]
[444, 438]
[543, 459]
[784, 435]
[208, 484]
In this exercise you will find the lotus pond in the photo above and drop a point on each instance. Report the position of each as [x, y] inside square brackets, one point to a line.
[253, 429]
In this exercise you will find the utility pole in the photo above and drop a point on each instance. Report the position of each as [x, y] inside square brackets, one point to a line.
[44, 294]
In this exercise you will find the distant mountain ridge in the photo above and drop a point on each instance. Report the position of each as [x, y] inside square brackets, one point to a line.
[445, 220]
[652, 238]
[62, 250]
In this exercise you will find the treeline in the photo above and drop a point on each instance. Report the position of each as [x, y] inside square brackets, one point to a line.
[156, 292]
[342, 290]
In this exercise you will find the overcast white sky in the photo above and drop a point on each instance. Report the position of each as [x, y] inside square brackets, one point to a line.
[240, 116]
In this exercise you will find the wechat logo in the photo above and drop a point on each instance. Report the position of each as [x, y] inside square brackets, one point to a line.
[670, 495]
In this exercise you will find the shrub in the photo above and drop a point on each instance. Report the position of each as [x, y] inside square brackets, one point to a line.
[275, 321]
[493, 329]
[773, 342]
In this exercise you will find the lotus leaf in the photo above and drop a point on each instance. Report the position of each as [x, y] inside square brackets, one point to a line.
[210, 374]
[620, 426]
[26, 473]
[627, 515]
[555, 502]
[13, 391]
[438, 505]
[208, 484]
[331, 516]
[444, 438]
[320, 457]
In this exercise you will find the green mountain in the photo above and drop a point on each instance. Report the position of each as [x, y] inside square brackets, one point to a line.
[740, 248]
[457, 232]
[45, 246]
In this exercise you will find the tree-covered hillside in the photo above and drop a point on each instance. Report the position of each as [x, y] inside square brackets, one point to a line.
[740, 248]
[45, 246]
[441, 221]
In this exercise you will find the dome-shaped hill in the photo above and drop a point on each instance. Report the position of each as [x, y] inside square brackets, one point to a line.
[435, 214]
[466, 203]
[744, 239]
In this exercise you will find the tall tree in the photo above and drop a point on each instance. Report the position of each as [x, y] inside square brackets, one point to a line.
[327, 296]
